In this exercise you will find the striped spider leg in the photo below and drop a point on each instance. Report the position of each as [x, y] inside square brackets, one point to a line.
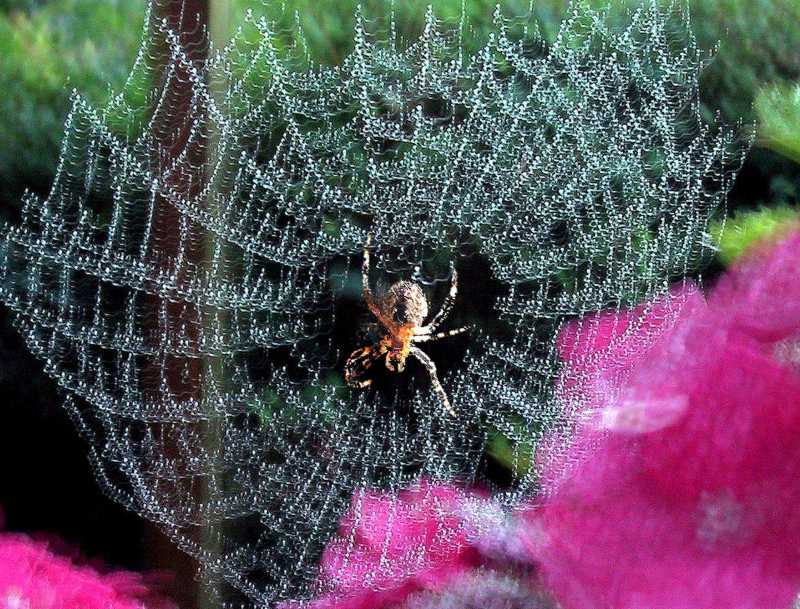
[426, 361]
[444, 310]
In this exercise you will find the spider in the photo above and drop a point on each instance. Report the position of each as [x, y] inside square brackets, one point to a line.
[401, 313]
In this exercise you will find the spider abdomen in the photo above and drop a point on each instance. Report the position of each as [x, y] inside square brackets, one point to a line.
[406, 303]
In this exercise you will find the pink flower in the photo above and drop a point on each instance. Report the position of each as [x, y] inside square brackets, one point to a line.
[393, 545]
[682, 486]
[32, 576]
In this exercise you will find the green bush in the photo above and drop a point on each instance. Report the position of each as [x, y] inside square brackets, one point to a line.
[778, 109]
[48, 49]
[747, 229]
[759, 42]
[758, 39]
[329, 33]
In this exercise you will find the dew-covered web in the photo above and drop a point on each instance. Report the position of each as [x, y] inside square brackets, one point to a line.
[193, 279]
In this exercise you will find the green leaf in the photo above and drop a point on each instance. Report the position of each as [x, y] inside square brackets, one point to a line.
[749, 229]
[778, 109]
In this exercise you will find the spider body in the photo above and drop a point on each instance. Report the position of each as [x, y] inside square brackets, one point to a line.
[406, 301]
[401, 314]
[406, 306]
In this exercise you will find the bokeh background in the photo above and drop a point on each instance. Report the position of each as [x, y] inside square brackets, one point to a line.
[50, 47]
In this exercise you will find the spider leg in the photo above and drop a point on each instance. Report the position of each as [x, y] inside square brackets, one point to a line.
[369, 297]
[437, 386]
[424, 338]
[444, 310]
[359, 362]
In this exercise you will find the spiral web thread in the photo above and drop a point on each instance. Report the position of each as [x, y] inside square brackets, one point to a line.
[192, 280]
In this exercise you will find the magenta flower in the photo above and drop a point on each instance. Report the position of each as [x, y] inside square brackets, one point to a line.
[682, 486]
[429, 547]
[33, 577]
[391, 546]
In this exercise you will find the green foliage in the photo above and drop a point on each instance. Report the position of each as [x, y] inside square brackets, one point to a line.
[328, 34]
[751, 44]
[778, 109]
[20, 5]
[759, 42]
[747, 229]
[48, 49]
[51, 47]
[758, 39]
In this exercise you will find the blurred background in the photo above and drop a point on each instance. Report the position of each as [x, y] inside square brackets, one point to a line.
[50, 47]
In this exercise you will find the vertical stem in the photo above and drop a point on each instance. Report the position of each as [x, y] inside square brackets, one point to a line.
[218, 26]
[188, 19]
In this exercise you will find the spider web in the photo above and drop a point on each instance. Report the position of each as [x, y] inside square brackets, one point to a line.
[192, 280]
